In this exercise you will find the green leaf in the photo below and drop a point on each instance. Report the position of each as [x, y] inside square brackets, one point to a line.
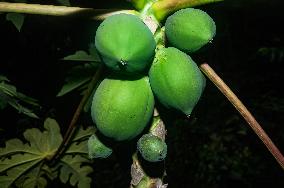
[3, 102]
[22, 109]
[72, 170]
[9, 94]
[8, 89]
[84, 133]
[64, 2]
[78, 148]
[82, 56]
[46, 142]
[79, 142]
[34, 177]
[77, 77]
[17, 19]
[88, 104]
[14, 173]
[18, 159]
[3, 78]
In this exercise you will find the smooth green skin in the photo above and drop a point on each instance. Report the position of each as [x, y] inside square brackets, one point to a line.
[176, 80]
[121, 109]
[125, 43]
[152, 148]
[97, 149]
[190, 29]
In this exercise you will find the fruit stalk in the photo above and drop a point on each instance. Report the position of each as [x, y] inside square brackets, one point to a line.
[163, 8]
[256, 127]
[51, 10]
[72, 126]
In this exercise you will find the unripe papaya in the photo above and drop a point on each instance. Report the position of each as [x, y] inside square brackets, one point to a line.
[122, 107]
[189, 29]
[176, 80]
[97, 149]
[152, 148]
[125, 43]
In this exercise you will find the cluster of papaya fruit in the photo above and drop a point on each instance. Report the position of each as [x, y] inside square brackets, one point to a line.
[123, 103]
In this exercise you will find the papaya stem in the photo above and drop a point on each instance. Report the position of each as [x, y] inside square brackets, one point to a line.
[72, 126]
[249, 118]
[163, 8]
[52, 10]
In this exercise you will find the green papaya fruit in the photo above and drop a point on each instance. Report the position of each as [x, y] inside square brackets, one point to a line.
[152, 148]
[97, 149]
[189, 29]
[122, 107]
[176, 80]
[125, 43]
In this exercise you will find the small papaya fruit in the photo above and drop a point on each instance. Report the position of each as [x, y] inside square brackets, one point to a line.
[125, 43]
[122, 107]
[152, 148]
[189, 29]
[176, 80]
[97, 149]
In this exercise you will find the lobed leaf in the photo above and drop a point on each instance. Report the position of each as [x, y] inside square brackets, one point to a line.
[84, 133]
[14, 173]
[9, 95]
[78, 148]
[17, 19]
[34, 177]
[64, 2]
[3, 78]
[3, 102]
[72, 170]
[78, 76]
[79, 142]
[82, 56]
[24, 163]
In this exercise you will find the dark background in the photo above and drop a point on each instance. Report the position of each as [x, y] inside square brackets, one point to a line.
[215, 147]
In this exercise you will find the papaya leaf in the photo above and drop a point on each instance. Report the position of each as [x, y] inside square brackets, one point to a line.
[78, 148]
[79, 142]
[34, 178]
[82, 56]
[3, 103]
[3, 78]
[8, 89]
[73, 171]
[64, 2]
[17, 19]
[19, 159]
[84, 133]
[88, 104]
[77, 77]
[9, 94]
[14, 173]
[12, 91]
[22, 109]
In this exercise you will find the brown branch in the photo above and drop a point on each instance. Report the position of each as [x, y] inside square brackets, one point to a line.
[211, 74]
[72, 126]
[51, 10]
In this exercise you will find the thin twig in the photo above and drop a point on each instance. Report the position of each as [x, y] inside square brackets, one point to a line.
[51, 10]
[211, 74]
[72, 126]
